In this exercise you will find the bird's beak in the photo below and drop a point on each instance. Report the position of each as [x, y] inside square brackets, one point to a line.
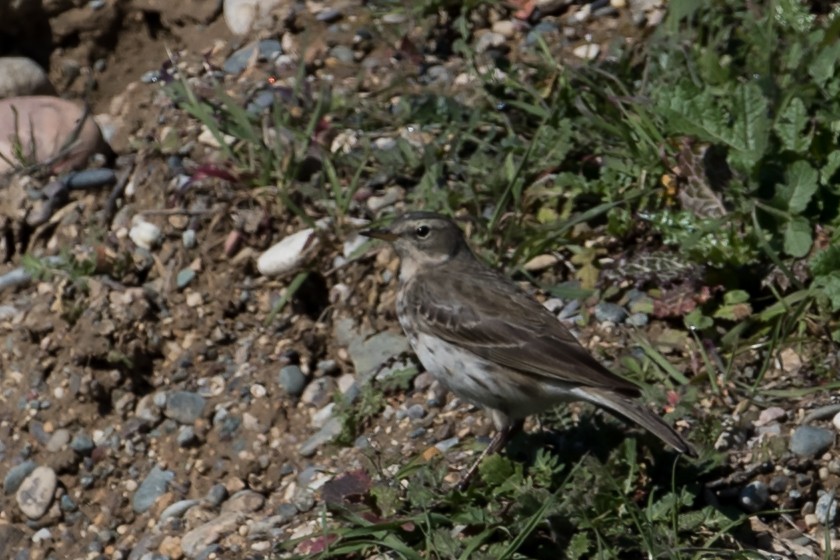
[382, 234]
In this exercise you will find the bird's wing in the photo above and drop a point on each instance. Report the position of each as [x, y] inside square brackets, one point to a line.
[499, 322]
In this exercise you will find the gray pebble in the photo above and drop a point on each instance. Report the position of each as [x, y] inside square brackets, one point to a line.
[327, 367]
[610, 312]
[638, 320]
[153, 487]
[447, 444]
[826, 509]
[393, 18]
[319, 392]
[216, 495]
[15, 476]
[362, 442]
[417, 432]
[186, 437]
[342, 53]
[325, 435]
[188, 238]
[416, 412]
[91, 178]
[66, 503]
[329, 15]
[292, 380]
[488, 41]
[809, 441]
[59, 439]
[244, 501]
[778, 484]
[178, 509]
[238, 61]
[82, 444]
[36, 492]
[184, 407]
[184, 277]
[754, 496]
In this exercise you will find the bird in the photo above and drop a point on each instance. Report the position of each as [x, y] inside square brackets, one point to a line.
[492, 344]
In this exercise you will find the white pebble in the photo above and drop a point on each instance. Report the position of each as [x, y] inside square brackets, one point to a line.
[144, 234]
[587, 52]
[288, 254]
[836, 421]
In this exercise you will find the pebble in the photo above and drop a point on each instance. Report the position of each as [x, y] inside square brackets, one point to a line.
[505, 27]
[36, 492]
[184, 277]
[754, 496]
[187, 436]
[184, 406]
[239, 60]
[198, 539]
[244, 501]
[488, 41]
[809, 441]
[67, 504]
[51, 123]
[216, 495]
[778, 484]
[836, 421]
[415, 412]
[638, 320]
[82, 444]
[319, 392]
[342, 53]
[152, 487]
[447, 444]
[145, 235]
[288, 254]
[610, 312]
[41, 535]
[292, 380]
[826, 509]
[178, 509]
[589, 51]
[59, 439]
[329, 432]
[188, 238]
[148, 410]
[15, 476]
[20, 76]
[329, 15]
[768, 415]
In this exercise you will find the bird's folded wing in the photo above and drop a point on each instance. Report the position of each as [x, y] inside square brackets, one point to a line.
[500, 323]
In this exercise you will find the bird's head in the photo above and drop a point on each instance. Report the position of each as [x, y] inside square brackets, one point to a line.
[423, 238]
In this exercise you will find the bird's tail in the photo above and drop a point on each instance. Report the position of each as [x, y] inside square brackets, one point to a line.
[636, 412]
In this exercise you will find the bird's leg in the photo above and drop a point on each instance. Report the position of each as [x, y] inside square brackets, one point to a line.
[502, 437]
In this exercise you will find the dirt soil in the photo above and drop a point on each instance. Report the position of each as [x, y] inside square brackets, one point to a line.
[153, 390]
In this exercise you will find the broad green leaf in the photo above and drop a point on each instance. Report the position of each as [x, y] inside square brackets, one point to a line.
[831, 166]
[830, 286]
[578, 546]
[736, 296]
[790, 127]
[697, 321]
[800, 185]
[826, 261]
[751, 128]
[823, 67]
[798, 238]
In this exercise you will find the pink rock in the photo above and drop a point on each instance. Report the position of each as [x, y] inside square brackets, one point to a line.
[45, 130]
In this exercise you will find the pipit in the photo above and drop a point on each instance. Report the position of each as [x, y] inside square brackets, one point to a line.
[492, 344]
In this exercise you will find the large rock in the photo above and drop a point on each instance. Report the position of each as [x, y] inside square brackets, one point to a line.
[46, 130]
[23, 76]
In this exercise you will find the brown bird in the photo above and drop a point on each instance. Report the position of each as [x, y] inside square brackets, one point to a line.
[492, 344]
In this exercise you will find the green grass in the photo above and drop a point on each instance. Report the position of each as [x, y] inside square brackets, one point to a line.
[702, 162]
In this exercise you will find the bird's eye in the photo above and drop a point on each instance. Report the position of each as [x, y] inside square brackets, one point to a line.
[422, 231]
